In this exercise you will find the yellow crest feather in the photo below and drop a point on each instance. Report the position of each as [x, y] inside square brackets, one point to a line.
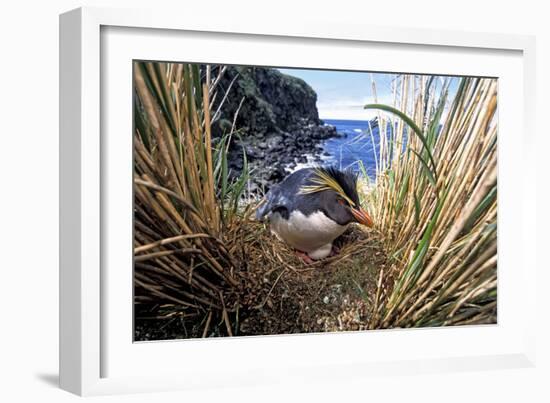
[323, 181]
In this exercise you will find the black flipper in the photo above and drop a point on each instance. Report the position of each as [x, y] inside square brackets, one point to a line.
[274, 201]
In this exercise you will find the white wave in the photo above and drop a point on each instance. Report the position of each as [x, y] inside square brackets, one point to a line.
[310, 163]
[299, 165]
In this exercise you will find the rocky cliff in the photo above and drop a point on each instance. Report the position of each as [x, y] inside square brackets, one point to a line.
[278, 121]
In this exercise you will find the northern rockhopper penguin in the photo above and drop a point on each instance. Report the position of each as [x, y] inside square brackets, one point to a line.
[311, 207]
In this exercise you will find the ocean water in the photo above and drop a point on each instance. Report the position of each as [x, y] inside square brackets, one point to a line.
[358, 143]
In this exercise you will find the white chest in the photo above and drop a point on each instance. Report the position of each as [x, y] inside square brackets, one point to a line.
[306, 233]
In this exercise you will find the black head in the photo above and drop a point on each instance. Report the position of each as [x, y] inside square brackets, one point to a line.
[334, 207]
[337, 195]
[347, 180]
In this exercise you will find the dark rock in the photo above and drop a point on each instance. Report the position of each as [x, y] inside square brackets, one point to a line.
[278, 122]
[273, 101]
[235, 163]
[253, 152]
[274, 141]
[278, 174]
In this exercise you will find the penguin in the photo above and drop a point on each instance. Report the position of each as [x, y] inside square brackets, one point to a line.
[311, 207]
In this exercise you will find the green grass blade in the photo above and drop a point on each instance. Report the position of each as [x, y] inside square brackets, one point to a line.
[425, 167]
[411, 124]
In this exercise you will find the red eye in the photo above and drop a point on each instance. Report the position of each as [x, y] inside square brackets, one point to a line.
[341, 201]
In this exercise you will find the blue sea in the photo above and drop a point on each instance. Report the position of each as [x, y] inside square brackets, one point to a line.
[358, 143]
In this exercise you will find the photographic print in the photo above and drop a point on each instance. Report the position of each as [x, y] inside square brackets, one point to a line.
[273, 200]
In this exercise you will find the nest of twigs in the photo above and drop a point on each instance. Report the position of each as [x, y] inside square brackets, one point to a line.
[277, 293]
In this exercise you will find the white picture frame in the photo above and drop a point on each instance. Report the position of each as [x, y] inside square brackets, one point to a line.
[98, 357]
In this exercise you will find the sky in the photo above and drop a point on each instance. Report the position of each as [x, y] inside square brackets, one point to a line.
[342, 94]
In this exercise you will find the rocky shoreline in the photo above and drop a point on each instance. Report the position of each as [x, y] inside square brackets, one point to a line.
[272, 157]
[277, 123]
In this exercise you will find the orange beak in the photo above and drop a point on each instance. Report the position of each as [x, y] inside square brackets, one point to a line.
[362, 217]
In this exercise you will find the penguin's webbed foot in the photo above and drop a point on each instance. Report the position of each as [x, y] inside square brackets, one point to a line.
[304, 257]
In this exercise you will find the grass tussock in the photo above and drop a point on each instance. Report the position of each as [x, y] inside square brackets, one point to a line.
[204, 268]
[435, 204]
[181, 259]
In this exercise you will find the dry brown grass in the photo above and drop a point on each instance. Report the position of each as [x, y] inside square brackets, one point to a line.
[181, 262]
[279, 294]
[200, 264]
[436, 204]
[204, 268]
[283, 295]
